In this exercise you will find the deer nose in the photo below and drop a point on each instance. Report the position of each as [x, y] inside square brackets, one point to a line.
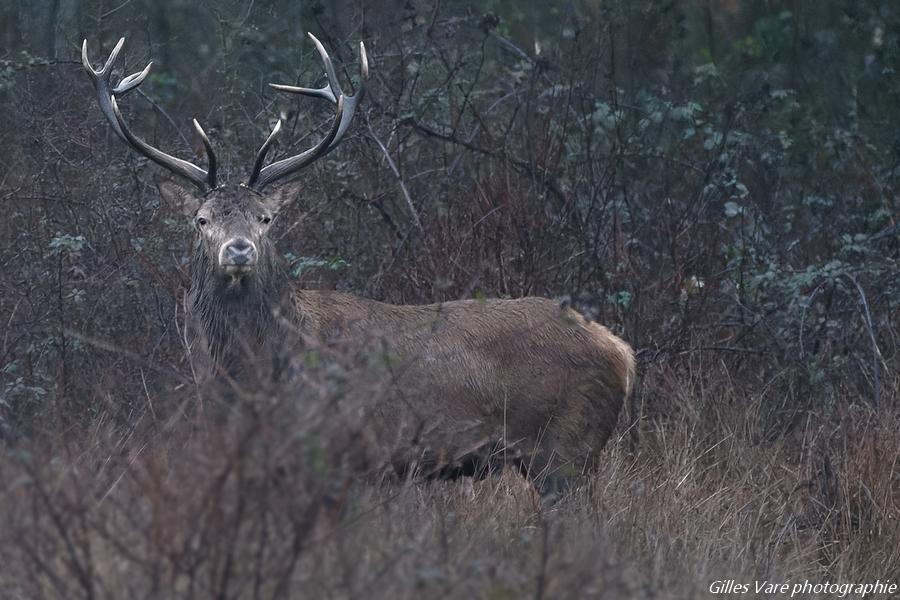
[238, 252]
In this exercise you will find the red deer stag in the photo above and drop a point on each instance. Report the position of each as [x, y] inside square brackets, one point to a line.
[529, 376]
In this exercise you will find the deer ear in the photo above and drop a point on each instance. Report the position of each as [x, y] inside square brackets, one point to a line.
[187, 201]
[280, 196]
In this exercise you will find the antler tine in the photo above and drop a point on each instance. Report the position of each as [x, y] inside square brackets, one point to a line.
[106, 99]
[210, 155]
[101, 80]
[284, 167]
[331, 91]
[188, 170]
[346, 108]
[261, 155]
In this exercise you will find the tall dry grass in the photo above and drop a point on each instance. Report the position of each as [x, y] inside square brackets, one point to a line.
[761, 442]
[263, 499]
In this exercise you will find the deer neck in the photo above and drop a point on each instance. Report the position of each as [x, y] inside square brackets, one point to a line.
[239, 319]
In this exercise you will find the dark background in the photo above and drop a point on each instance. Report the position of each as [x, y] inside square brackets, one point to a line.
[712, 179]
[695, 174]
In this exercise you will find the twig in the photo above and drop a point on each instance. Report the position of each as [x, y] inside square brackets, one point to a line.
[870, 327]
[109, 347]
[147, 393]
[508, 45]
[803, 316]
[533, 171]
[166, 115]
[393, 166]
[642, 354]
[113, 10]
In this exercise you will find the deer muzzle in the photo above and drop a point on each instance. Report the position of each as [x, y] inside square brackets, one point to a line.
[238, 255]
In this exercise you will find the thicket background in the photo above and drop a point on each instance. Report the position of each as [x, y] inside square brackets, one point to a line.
[713, 179]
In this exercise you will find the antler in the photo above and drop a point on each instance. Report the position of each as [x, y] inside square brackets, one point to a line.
[106, 99]
[345, 107]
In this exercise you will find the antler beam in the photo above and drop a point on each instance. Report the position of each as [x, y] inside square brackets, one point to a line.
[106, 98]
[345, 108]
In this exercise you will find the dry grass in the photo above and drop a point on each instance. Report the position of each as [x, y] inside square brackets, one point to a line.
[774, 456]
[261, 501]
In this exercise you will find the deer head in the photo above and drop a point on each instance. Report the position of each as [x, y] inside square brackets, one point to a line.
[231, 221]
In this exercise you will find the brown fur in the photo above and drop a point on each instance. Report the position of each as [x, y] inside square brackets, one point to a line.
[522, 379]
[537, 380]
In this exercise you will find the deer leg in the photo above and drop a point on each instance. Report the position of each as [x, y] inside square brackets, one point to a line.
[551, 474]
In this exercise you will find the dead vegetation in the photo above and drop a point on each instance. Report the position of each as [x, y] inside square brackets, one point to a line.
[743, 241]
[259, 500]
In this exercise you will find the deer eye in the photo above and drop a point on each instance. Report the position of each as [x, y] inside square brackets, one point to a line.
[201, 222]
[264, 219]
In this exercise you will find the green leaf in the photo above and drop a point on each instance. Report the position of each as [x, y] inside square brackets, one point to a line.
[733, 209]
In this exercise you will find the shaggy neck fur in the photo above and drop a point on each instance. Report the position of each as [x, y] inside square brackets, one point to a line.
[236, 316]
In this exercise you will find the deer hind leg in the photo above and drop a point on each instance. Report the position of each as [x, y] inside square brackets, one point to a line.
[570, 443]
[553, 465]
[552, 475]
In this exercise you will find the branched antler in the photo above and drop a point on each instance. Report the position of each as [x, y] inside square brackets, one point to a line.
[345, 107]
[106, 98]
[260, 177]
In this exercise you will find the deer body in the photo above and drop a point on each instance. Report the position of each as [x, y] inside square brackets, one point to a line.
[523, 375]
[526, 376]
